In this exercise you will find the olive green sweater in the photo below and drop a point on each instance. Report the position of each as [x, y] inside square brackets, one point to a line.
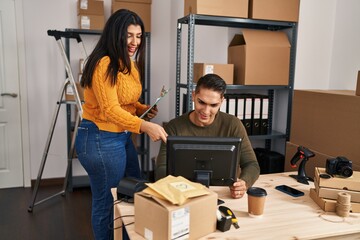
[224, 125]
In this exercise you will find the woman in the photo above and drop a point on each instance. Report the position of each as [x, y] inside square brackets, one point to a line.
[112, 82]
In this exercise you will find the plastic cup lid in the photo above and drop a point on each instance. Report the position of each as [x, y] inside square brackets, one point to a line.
[257, 192]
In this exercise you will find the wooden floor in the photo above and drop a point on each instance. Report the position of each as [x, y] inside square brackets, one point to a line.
[62, 217]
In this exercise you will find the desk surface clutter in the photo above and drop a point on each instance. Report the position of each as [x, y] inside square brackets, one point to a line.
[285, 217]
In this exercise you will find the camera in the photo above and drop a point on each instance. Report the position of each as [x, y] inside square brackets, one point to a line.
[339, 166]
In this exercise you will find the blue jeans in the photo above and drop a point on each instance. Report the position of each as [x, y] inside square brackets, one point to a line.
[107, 157]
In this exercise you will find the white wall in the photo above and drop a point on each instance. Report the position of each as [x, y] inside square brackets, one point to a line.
[45, 75]
[328, 47]
[162, 49]
[346, 50]
[327, 57]
[314, 44]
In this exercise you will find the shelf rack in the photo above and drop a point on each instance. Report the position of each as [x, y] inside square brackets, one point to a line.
[195, 19]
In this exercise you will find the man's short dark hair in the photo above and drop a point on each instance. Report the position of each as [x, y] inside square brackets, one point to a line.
[212, 82]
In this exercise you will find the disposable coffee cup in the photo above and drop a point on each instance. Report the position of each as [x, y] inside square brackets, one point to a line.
[256, 201]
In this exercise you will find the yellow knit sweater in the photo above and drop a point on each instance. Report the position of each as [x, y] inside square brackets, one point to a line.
[114, 108]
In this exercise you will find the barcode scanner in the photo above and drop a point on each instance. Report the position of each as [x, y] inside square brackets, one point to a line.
[302, 154]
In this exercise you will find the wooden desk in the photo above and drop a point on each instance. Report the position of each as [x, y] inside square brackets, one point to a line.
[285, 217]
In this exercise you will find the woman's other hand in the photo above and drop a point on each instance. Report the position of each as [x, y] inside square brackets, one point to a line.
[152, 113]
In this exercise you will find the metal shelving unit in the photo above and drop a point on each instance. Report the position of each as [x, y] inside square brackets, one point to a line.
[194, 19]
[144, 145]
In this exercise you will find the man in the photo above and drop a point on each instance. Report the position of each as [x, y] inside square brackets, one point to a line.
[207, 120]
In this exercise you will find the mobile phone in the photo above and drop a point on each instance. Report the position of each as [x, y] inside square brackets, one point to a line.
[289, 190]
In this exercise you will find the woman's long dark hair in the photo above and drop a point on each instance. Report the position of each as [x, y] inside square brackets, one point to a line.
[113, 43]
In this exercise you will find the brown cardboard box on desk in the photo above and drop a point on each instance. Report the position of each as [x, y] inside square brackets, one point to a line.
[351, 183]
[159, 219]
[329, 205]
[332, 193]
[326, 190]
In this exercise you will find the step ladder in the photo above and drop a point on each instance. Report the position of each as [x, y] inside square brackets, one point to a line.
[58, 35]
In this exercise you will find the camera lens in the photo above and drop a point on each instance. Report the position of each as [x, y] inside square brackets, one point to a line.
[346, 171]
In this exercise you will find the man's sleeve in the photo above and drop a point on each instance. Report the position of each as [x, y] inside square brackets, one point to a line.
[160, 169]
[249, 165]
[160, 165]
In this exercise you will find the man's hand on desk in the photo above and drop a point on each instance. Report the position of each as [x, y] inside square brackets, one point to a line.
[238, 189]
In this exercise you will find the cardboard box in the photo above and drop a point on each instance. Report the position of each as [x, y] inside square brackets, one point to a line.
[260, 57]
[327, 121]
[228, 8]
[140, 7]
[69, 94]
[350, 183]
[90, 7]
[357, 92]
[319, 160]
[279, 10]
[225, 71]
[332, 193]
[329, 205]
[159, 219]
[94, 22]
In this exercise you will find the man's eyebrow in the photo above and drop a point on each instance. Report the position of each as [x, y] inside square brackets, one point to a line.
[199, 99]
[212, 104]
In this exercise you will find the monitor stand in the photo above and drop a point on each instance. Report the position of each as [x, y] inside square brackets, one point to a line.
[203, 177]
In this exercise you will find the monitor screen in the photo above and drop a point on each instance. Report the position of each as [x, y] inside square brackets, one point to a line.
[211, 161]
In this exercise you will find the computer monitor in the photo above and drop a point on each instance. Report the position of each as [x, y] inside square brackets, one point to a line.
[211, 161]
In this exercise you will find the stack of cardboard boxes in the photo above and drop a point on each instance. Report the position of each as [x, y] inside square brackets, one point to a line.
[91, 14]
[326, 190]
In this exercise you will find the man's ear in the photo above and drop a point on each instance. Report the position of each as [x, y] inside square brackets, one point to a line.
[222, 99]
[193, 96]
